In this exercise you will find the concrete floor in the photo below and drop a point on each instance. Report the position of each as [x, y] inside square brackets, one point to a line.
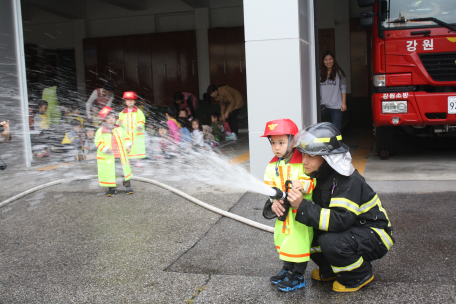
[72, 244]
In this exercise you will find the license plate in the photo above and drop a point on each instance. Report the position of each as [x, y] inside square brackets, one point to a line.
[452, 105]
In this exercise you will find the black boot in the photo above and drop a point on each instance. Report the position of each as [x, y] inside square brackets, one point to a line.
[127, 187]
[111, 191]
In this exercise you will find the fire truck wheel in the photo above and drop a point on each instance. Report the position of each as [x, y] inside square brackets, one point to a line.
[385, 141]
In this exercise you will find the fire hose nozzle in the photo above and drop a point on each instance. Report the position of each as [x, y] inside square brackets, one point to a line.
[279, 194]
[282, 194]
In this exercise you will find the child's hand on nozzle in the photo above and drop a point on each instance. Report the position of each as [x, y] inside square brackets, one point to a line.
[277, 207]
[295, 197]
[128, 149]
[109, 151]
[297, 185]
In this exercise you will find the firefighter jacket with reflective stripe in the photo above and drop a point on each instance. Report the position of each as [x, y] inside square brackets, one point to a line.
[292, 239]
[340, 202]
[106, 161]
[130, 122]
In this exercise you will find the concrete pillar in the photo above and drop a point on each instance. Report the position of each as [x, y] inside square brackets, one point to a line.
[13, 86]
[79, 33]
[281, 71]
[202, 24]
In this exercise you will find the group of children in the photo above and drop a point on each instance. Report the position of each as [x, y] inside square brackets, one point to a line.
[119, 140]
[292, 239]
[74, 135]
[181, 132]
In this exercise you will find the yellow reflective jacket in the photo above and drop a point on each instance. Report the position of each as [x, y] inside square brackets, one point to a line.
[292, 239]
[130, 121]
[106, 161]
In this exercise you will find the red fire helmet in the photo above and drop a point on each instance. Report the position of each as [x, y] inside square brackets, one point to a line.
[130, 95]
[280, 127]
[104, 112]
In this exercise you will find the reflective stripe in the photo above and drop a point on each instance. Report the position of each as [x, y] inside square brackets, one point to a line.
[349, 267]
[385, 237]
[282, 181]
[326, 139]
[99, 144]
[324, 219]
[107, 183]
[123, 157]
[270, 183]
[384, 212]
[100, 157]
[369, 205]
[323, 140]
[315, 249]
[294, 255]
[344, 203]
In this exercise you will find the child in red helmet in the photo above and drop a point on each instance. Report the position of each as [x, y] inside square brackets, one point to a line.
[133, 121]
[113, 146]
[292, 239]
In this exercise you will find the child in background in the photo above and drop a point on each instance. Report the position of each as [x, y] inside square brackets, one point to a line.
[90, 149]
[292, 239]
[76, 115]
[207, 131]
[72, 143]
[113, 146]
[41, 120]
[217, 127]
[197, 134]
[164, 147]
[41, 136]
[184, 115]
[173, 125]
[186, 136]
[133, 121]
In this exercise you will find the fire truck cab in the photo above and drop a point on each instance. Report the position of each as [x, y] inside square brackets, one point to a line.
[413, 67]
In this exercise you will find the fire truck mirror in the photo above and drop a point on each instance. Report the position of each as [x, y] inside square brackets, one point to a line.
[366, 3]
[366, 19]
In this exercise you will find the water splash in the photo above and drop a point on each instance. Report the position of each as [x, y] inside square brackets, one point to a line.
[209, 167]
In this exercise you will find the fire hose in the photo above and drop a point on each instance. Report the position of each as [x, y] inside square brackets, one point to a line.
[150, 181]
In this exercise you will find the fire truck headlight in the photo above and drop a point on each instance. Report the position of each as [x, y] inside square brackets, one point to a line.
[379, 80]
[391, 107]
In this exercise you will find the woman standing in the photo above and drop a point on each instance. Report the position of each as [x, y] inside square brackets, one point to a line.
[333, 86]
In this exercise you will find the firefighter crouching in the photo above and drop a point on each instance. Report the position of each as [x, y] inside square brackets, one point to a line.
[351, 227]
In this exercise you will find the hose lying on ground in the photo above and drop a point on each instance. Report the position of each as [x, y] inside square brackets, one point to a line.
[150, 181]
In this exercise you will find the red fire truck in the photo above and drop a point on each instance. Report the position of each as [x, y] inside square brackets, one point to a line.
[413, 66]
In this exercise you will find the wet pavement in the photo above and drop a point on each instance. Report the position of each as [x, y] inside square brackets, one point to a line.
[71, 244]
